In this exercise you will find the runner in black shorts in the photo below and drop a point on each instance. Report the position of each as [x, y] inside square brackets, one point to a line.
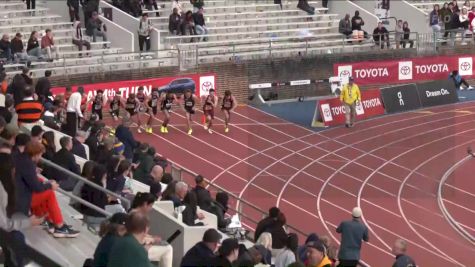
[98, 103]
[142, 108]
[188, 105]
[114, 107]
[228, 105]
[166, 103]
[152, 104]
[208, 110]
[132, 106]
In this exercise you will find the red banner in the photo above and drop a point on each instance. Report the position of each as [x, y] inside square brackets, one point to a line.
[405, 70]
[200, 83]
[333, 112]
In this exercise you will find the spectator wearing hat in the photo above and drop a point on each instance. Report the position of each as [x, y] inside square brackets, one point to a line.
[202, 194]
[353, 232]
[302, 250]
[265, 223]
[228, 253]
[399, 250]
[145, 28]
[110, 231]
[202, 254]
[316, 255]
[73, 111]
[350, 96]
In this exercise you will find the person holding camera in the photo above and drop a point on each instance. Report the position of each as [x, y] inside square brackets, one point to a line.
[145, 28]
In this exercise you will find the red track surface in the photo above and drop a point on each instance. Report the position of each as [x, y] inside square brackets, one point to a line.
[390, 166]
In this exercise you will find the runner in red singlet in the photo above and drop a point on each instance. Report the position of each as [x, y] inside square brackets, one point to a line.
[228, 105]
[210, 103]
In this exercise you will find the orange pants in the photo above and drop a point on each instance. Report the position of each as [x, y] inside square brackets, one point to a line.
[45, 203]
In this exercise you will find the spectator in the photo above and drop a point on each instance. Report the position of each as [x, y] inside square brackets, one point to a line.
[30, 4]
[330, 250]
[37, 134]
[145, 28]
[407, 33]
[174, 22]
[381, 36]
[77, 38]
[18, 50]
[202, 194]
[188, 25]
[466, 4]
[399, 32]
[352, 233]
[43, 88]
[200, 27]
[357, 22]
[78, 144]
[89, 7]
[47, 45]
[17, 88]
[6, 112]
[143, 202]
[93, 141]
[399, 250]
[190, 213]
[96, 27]
[197, 4]
[73, 112]
[265, 240]
[5, 48]
[344, 27]
[446, 16]
[455, 26]
[176, 4]
[11, 136]
[117, 182]
[50, 118]
[459, 81]
[219, 207]
[105, 151]
[36, 194]
[96, 197]
[455, 5]
[150, 4]
[170, 194]
[125, 136]
[73, 6]
[265, 223]
[228, 253]
[145, 163]
[29, 110]
[33, 47]
[302, 250]
[65, 159]
[279, 234]
[316, 255]
[111, 230]
[288, 255]
[26, 74]
[155, 177]
[250, 257]
[134, 7]
[202, 254]
[50, 147]
[463, 17]
[137, 225]
[434, 17]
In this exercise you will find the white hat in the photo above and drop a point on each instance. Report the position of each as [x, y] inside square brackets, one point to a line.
[356, 213]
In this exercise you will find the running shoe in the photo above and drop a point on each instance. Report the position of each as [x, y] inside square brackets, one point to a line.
[65, 231]
[166, 129]
[162, 129]
[210, 131]
[226, 130]
[139, 130]
[205, 127]
[149, 130]
[190, 131]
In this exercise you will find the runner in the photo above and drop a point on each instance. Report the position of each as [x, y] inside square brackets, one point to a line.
[114, 107]
[97, 104]
[228, 105]
[142, 109]
[188, 105]
[132, 105]
[152, 105]
[166, 106]
[208, 110]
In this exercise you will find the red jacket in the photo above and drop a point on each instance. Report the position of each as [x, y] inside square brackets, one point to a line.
[46, 42]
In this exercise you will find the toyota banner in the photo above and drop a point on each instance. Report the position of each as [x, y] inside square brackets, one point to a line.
[405, 70]
[200, 84]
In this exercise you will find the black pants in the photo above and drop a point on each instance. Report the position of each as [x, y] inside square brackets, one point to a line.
[462, 81]
[149, 7]
[404, 42]
[74, 14]
[71, 123]
[348, 263]
[142, 40]
[30, 4]
[13, 247]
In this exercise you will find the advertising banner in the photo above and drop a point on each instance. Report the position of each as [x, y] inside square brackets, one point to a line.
[400, 98]
[437, 93]
[332, 111]
[198, 83]
[405, 70]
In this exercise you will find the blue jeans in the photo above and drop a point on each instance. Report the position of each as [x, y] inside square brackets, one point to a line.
[7, 54]
[201, 30]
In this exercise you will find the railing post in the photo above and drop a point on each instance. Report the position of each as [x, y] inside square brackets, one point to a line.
[197, 56]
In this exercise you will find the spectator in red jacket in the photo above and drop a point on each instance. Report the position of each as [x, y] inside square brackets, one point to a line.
[47, 45]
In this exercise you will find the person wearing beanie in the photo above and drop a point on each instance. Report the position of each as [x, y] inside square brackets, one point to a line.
[353, 232]
[316, 254]
[119, 148]
[228, 253]
[265, 223]
[110, 231]
[202, 254]
[302, 250]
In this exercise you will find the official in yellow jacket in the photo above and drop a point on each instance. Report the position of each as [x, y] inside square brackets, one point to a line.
[350, 96]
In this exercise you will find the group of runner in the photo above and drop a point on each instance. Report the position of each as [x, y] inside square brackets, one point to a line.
[139, 105]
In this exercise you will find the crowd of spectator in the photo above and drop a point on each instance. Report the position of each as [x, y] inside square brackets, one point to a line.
[188, 23]
[452, 19]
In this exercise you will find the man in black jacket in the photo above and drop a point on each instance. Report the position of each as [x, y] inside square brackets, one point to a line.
[78, 147]
[5, 48]
[65, 159]
[265, 223]
[381, 36]
[202, 194]
[43, 88]
[174, 22]
[202, 254]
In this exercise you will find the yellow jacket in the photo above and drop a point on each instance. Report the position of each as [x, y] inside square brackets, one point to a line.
[350, 94]
[326, 262]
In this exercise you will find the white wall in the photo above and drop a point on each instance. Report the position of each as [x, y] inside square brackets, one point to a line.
[344, 7]
[119, 36]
